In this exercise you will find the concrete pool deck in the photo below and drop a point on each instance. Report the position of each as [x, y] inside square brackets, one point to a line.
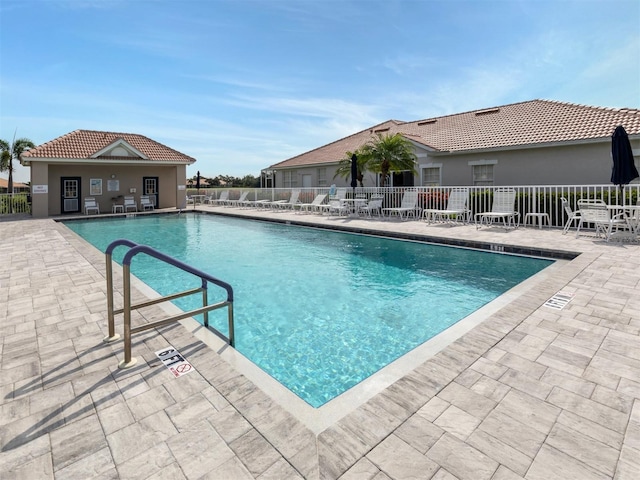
[530, 392]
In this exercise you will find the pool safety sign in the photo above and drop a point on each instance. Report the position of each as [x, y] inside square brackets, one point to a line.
[559, 300]
[175, 362]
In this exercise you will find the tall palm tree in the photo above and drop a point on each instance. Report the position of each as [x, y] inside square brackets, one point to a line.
[344, 167]
[389, 153]
[11, 152]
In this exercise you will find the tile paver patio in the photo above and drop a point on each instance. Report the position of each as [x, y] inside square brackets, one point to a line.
[530, 392]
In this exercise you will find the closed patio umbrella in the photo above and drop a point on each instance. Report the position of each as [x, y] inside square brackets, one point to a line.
[623, 170]
[198, 182]
[354, 173]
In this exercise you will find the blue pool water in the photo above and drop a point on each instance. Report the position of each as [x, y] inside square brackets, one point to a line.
[319, 311]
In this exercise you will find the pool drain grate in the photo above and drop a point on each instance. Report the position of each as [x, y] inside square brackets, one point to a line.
[559, 300]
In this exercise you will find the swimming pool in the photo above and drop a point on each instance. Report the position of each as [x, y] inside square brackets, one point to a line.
[317, 310]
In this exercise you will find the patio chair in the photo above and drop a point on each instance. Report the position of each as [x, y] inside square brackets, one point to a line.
[503, 208]
[604, 222]
[374, 205]
[408, 205]
[572, 217]
[90, 205]
[145, 203]
[221, 200]
[338, 193]
[293, 200]
[314, 205]
[456, 208]
[335, 207]
[239, 201]
[130, 203]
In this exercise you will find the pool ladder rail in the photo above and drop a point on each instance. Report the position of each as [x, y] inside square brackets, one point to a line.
[134, 250]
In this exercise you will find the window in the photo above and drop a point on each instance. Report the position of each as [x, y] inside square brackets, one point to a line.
[430, 176]
[483, 174]
[322, 177]
[290, 178]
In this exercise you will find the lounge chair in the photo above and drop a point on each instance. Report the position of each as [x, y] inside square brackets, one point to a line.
[130, 204]
[598, 213]
[456, 208]
[374, 205]
[145, 203]
[293, 200]
[239, 201]
[221, 200]
[335, 206]
[503, 208]
[90, 205]
[314, 206]
[572, 216]
[408, 205]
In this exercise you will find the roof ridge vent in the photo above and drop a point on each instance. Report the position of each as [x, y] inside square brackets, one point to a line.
[384, 129]
[487, 112]
[427, 122]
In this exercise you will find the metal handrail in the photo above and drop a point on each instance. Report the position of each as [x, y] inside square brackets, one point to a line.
[134, 250]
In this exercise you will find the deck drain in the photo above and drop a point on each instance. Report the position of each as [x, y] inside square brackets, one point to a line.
[559, 300]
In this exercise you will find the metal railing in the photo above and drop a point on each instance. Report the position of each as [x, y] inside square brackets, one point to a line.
[134, 250]
[529, 198]
[15, 203]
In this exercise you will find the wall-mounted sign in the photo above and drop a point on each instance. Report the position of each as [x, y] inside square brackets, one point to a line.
[182, 187]
[95, 186]
[113, 185]
[39, 189]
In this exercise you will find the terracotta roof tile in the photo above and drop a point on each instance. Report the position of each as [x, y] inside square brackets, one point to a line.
[535, 122]
[82, 144]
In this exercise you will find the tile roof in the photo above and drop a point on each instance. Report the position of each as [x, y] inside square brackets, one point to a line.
[536, 122]
[82, 144]
[4, 183]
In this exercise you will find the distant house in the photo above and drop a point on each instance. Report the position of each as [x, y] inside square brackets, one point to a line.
[106, 166]
[538, 142]
[17, 186]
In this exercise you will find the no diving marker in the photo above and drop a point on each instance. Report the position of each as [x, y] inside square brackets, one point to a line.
[175, 362]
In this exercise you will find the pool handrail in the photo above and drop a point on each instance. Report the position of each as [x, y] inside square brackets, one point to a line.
[135, 249]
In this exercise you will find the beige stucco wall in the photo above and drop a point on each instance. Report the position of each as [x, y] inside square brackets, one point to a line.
[129, 177]
[582, 164]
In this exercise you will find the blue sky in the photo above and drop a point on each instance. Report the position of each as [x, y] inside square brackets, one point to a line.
[243, 84]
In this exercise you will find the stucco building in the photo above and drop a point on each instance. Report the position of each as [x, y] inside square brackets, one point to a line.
[106, 166]
[538, 142]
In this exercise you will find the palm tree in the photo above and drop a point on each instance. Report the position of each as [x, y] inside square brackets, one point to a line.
[11, 152]
[344, 167]
[389, 153]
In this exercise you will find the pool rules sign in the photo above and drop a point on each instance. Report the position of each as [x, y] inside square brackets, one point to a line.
[175, 362]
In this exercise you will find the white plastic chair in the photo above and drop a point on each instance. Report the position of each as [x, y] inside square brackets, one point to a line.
[596, 212]
[503, 208]
[314, 205]
[408, 205]
[145, 203]
[456, 207]
[90, 205]
[374, 205]
[130, 203]
[572, 217]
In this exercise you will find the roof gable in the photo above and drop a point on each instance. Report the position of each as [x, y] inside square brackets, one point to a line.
[119, 148]
[532, 123]
[97, 145]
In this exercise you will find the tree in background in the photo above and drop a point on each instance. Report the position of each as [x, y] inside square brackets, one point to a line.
[344, 167]
[248, 181]
[389, 153]
[11, 152]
